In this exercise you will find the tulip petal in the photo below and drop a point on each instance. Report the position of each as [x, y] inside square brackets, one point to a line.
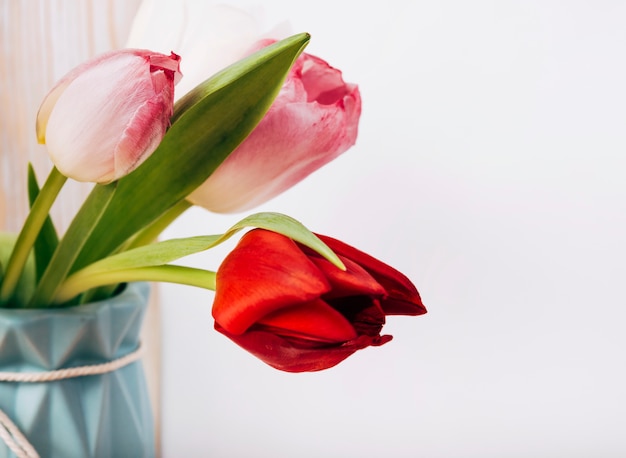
[47, 105]
[402, 296]
[209, 36]
[323, 83]
[143, 134]
[296, 355]
[299, 134]
[51, 98]
[314, 320]
[264, 273]
[353, 281]
[109, 114]
[364, 313]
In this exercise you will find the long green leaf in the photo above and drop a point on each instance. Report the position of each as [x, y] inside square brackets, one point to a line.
[162, 253]
[289, 227]
[74, 239]
[47, 240]
[30, 231]
[155, 254]
[26, 282]
[206, 130]
[170, 250]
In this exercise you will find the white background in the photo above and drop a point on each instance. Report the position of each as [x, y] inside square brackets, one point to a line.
[489, 168]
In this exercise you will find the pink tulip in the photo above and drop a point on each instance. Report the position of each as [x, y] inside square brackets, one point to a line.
[105, 117]
[312, 121]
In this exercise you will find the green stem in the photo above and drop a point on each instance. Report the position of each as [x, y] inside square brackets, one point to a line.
[142, 238]
[78, 283]
[150, 233]
[24, 244]
[71, 244]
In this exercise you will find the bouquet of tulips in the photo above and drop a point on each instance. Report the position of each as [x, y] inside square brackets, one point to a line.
[297, 300]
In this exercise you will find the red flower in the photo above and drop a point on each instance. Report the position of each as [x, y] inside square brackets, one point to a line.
[296, 311]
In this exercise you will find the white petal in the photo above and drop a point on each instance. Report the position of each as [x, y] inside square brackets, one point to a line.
[207, 36]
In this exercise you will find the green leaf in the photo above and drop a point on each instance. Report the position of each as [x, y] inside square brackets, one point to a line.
[151, 232]
[207, 127]
[158, 254]
[155, 254]
[47, 240]
[77, 234]
[291, 228]
[26, 282]
[28, 234]
[170, 250]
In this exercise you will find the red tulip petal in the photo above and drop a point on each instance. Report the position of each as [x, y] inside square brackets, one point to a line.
[364, 313]
[265, 272]
[402, 296]
[350, 282]
[296, 355]
[314, 320]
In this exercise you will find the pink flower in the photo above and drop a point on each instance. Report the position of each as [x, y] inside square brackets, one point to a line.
[312, 121]
[105, 117]
[296, 311]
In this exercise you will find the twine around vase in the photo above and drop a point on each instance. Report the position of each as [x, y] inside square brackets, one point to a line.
[10, 433]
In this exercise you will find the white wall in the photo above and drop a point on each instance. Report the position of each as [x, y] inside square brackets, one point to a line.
[489, 168]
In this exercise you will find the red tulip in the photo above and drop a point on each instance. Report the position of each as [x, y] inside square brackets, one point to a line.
[296, 311]
[105, 117]
[312, 121]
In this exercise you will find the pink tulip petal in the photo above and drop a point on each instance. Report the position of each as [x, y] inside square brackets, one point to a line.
[264, 273]
[105, 117]
[87, 121]
[323, 83]
[142, 135]
[170, 65]
[51, 98]
[301, 132]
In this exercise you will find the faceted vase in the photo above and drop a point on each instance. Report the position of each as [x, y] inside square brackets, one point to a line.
[107, 415]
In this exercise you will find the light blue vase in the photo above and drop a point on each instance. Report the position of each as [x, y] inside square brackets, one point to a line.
[106, 415]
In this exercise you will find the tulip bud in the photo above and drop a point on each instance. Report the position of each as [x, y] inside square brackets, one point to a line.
[313, 120]
[296, 311]
[105, 117]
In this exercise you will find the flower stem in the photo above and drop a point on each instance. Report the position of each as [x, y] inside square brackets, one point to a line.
[77, 283]
[150, 233]
[25, 240]
[72, 244]
[144, 237]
